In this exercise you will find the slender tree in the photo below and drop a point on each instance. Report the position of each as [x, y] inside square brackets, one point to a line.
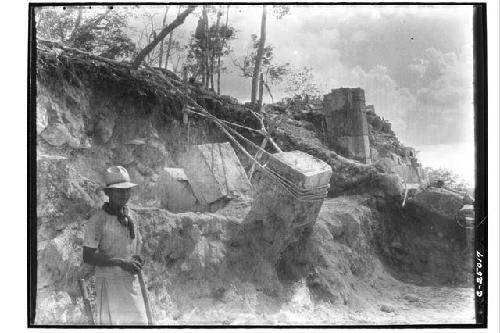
[216, 48]
[258, 58]
[169, 46]
[205, 47]
[160, 58]
[220, 51]
[178, 21]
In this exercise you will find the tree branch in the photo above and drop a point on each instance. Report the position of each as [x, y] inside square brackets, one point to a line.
[87, 27]
[269, 91]
[77, 23]
[178, 21]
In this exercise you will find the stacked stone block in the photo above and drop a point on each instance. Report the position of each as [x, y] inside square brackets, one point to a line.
[347, 128]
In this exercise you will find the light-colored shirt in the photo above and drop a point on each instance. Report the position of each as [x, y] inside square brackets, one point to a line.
[106, 234]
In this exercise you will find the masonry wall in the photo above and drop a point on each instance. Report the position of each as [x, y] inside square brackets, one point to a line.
[347, 128]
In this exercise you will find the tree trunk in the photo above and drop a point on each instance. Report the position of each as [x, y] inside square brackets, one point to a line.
[218, 75]
[216, 49]
[203, 47]
[184, 75]
[160, 58]
[77, 24]
[261, 91]
[178, 21]
[220, 53]
[212, 65]
[206, 57]
[169, 47]
[60, 31]
[258, 58]
[167, 56]
[149, 55]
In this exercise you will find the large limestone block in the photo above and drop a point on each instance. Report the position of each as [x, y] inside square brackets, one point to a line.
[175, 192]
[57, 135]
[346, 124]
[304, 170]
[355, 147]
[445, 203]
[277, 216]
[214, 172]
[344, 112]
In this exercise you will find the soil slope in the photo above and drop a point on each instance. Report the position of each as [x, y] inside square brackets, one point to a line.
[203, 268]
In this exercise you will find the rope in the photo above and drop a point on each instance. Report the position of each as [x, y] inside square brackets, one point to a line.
[241, 126]
[299, 194]
[406, 193]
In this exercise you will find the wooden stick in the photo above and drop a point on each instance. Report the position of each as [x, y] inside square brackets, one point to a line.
[86, 301]
[144, 293]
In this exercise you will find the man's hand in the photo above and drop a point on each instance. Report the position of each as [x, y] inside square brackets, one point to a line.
[131, 265]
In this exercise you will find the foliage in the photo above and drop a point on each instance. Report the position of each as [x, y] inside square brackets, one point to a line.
[109, 40]
[247, 63]
[218, 43]
[98, 32]
[276, 73]
[273, 73]
[55, 23]
[301, 83]
[448, 177]
[280, 11]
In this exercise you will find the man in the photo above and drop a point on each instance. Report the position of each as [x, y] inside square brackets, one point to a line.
[112, 243]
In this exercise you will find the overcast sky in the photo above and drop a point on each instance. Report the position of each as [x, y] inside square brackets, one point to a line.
[414, 63]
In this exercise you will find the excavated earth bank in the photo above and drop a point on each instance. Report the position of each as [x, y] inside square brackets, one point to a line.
[359, 258]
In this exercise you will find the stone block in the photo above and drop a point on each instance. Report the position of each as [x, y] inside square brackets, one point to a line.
[344, 111]
[175, 192]
[355, 147]
[347, 128]
[56, 135]
[214, 172]
[279, 218]
[304, 170]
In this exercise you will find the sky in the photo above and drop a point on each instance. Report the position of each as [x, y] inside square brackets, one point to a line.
[414, 63]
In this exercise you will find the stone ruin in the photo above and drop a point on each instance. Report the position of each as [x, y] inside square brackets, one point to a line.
[206, 178]
[278, 219]
[347, 128]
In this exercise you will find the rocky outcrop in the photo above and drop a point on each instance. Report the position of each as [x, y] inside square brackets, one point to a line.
[193, 255]
[388, 154]
[426, 241]
[444, 203]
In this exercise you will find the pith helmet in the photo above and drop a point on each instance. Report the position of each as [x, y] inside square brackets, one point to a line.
[117, 177]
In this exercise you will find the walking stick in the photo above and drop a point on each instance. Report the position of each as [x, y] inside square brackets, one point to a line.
[86, 301]
[144, 293]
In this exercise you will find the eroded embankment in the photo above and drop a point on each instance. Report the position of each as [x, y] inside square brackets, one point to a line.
[222, 268]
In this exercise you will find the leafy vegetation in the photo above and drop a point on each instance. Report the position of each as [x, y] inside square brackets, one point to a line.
[100, 32]
[448, 179]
